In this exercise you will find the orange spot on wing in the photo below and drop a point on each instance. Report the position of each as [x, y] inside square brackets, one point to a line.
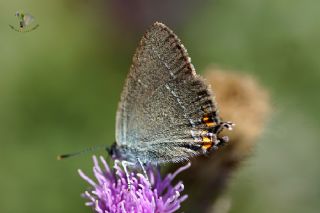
[211, 124]
[206, 140]
[207, 146]
[204, 132]
[206, 143]
[208, 121]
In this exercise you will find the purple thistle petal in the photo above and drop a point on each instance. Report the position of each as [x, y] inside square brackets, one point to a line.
[86, 178]
[111, 194]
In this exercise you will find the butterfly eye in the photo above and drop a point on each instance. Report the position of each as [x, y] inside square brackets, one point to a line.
[17, 14]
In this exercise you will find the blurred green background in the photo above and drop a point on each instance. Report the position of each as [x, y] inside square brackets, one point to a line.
[60, 86]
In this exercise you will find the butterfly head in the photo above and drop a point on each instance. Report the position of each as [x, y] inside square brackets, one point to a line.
[112, 151]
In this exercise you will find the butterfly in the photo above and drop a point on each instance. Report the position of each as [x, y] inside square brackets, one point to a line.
[167, 112]
[25, 21]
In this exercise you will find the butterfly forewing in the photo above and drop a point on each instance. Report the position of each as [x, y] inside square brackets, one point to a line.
[163, 101]
[28, 19]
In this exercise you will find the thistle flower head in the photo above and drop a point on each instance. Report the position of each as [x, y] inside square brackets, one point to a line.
[110, 193]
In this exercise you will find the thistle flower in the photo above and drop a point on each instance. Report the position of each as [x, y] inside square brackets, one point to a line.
[110, 192]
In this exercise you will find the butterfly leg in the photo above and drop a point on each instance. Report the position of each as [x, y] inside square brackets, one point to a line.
[144, 171]
[124, 165]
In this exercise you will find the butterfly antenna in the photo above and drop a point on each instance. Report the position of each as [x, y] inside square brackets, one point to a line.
[90, 149]
[32, 29]
[12, 27]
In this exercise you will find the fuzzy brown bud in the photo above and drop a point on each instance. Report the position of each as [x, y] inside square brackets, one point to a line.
[242, 100]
